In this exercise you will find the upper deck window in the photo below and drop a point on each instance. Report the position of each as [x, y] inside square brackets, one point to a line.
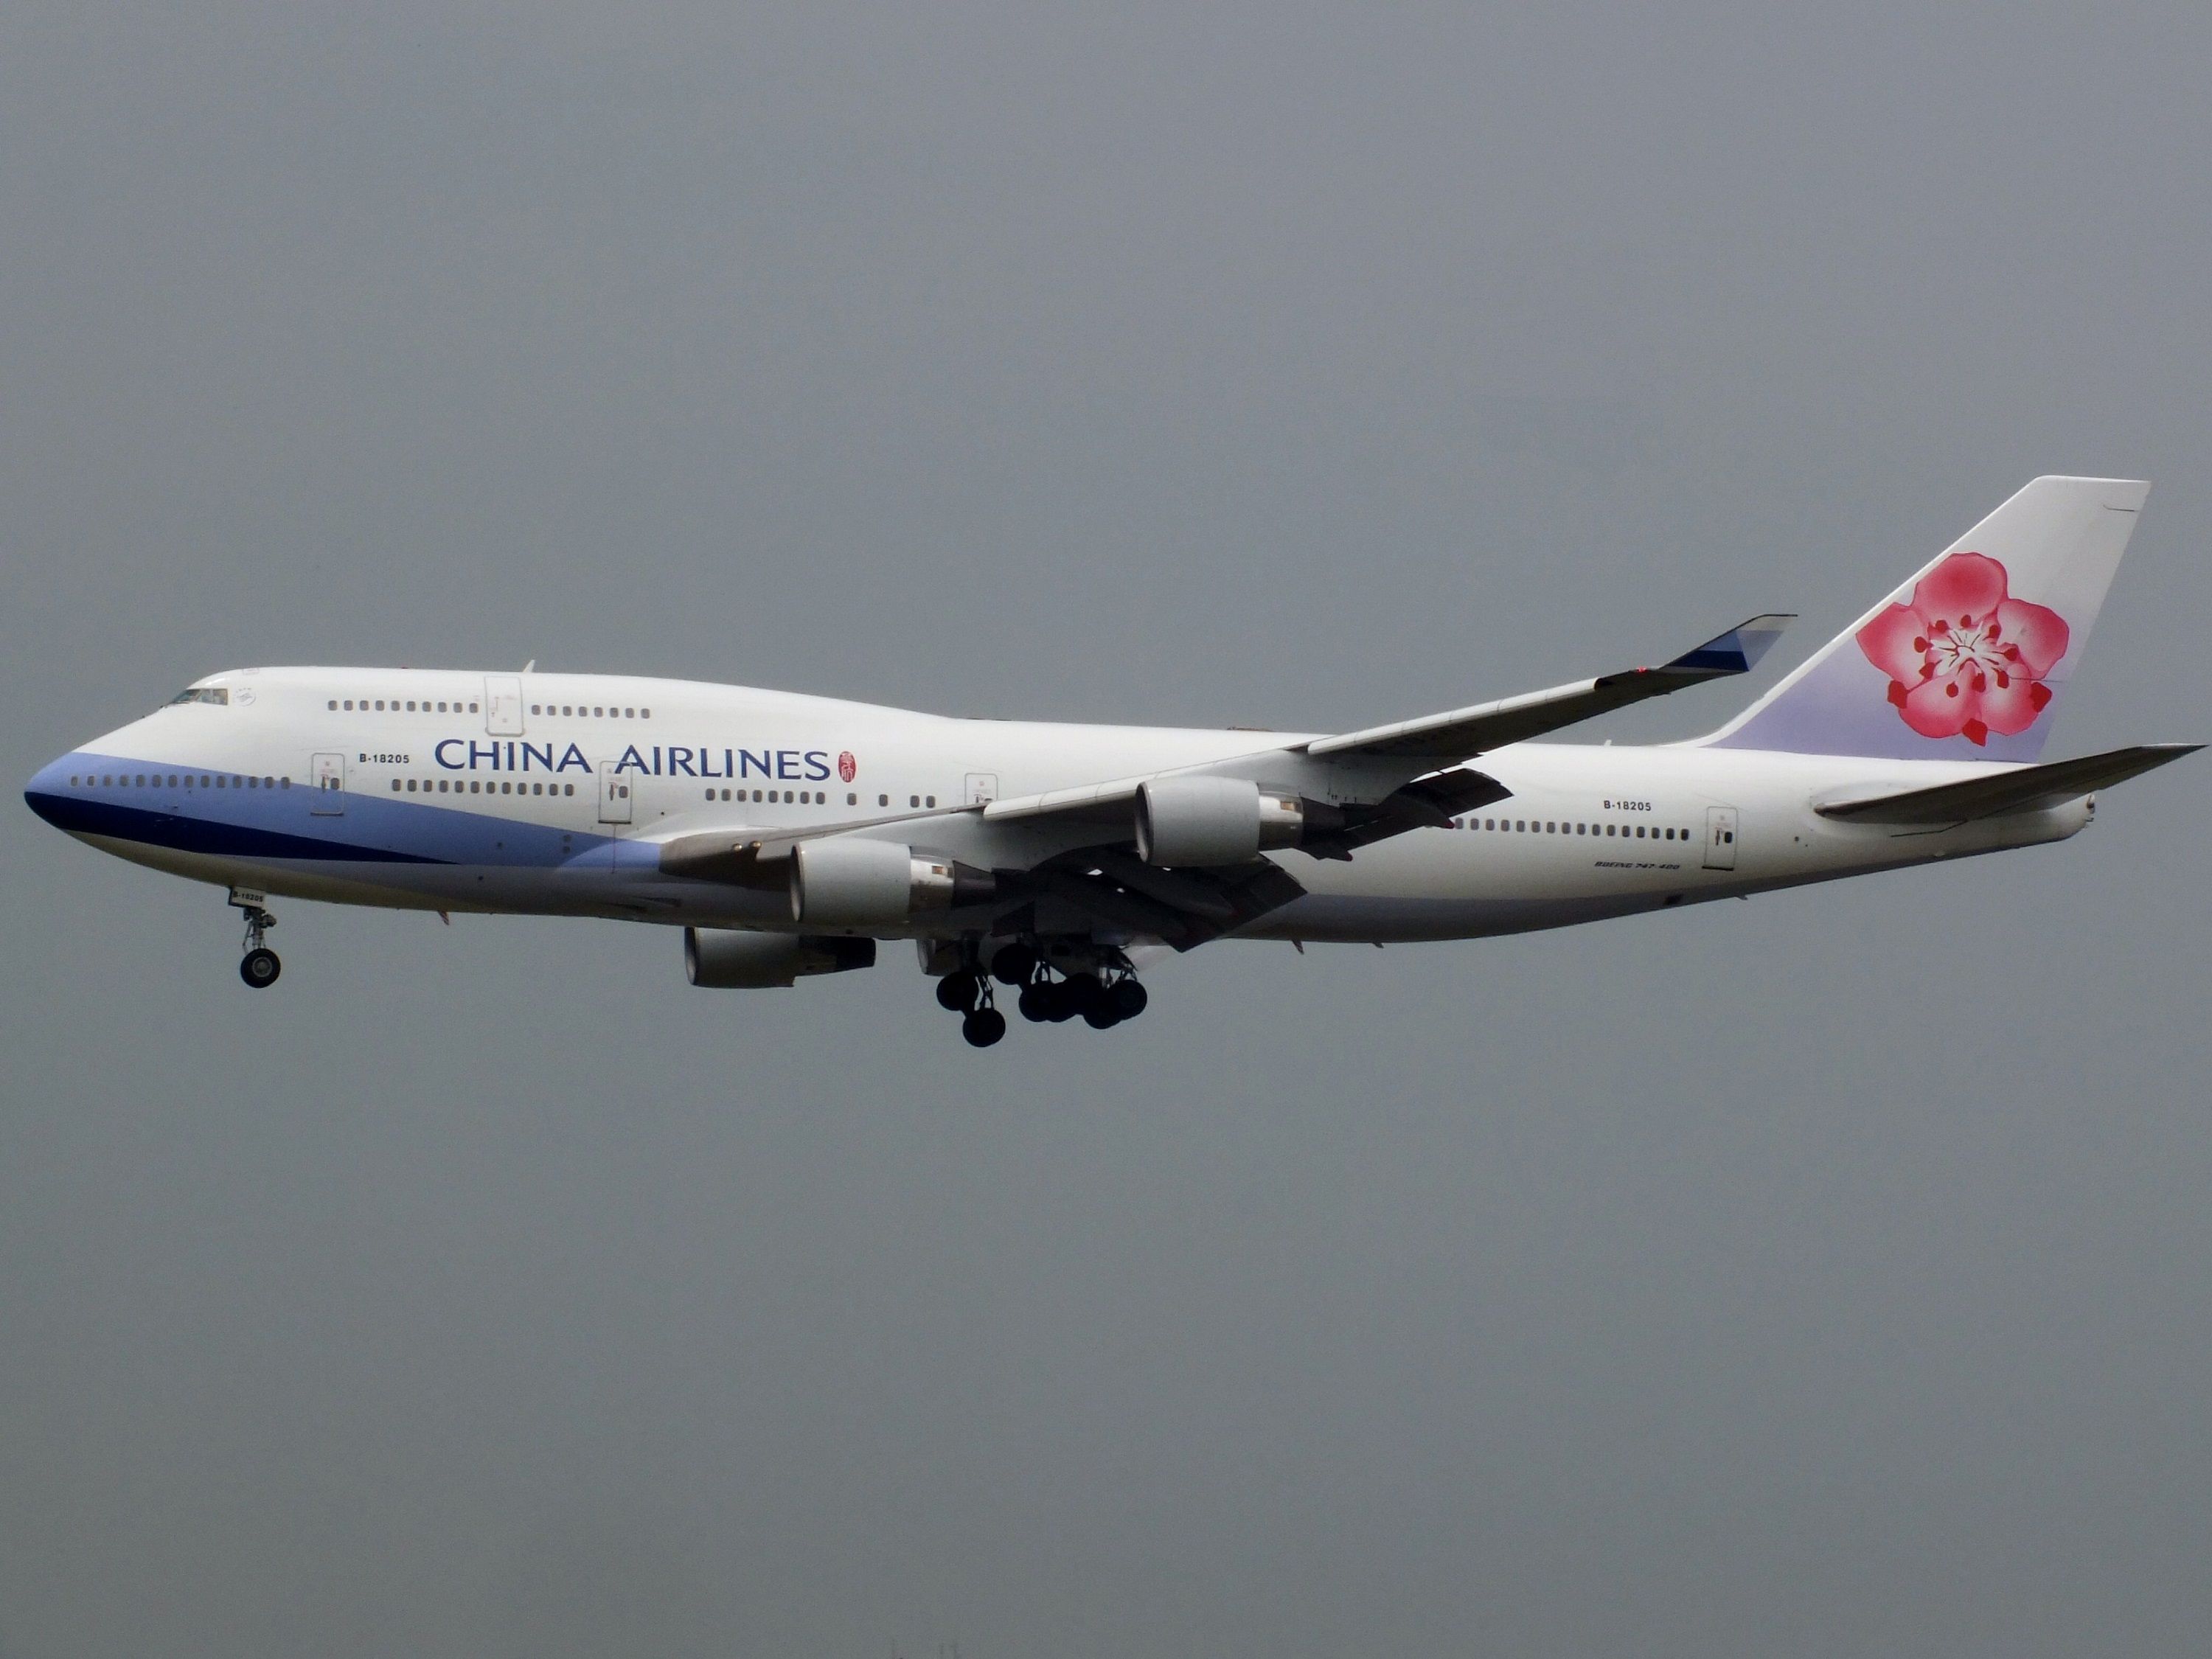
[215, 694]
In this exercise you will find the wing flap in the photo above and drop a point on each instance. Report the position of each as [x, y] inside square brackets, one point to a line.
[2024, 789]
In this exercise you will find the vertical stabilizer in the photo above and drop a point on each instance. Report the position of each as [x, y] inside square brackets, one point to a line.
[1966, 659]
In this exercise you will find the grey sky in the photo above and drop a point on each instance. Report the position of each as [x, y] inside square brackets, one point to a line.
[1827, 1274]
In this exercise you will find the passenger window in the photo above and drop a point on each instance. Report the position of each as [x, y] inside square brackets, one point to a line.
[334, 702]
[629, 713]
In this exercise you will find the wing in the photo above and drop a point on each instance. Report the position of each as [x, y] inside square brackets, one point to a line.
[2019, 789]
[1458, 732]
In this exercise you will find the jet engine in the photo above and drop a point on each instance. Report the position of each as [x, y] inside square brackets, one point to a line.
[844, 883]
[729, 959]
[1203, 821]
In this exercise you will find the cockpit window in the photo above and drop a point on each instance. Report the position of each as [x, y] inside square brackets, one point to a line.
[215, 694]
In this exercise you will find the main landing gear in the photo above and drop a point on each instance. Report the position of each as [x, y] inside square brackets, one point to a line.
[968, 993]
[258, 967]
[1102, 995]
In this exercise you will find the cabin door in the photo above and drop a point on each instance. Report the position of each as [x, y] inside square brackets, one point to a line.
[1720, 838]
[329, 797]
[503, 706]
[614, 795]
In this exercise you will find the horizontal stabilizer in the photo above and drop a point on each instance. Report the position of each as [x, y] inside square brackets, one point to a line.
[1458, 732]
[2027, 789]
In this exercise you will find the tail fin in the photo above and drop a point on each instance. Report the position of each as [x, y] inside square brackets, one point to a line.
[1967, 659]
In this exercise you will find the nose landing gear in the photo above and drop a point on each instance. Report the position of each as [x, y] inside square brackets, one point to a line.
[259, 966]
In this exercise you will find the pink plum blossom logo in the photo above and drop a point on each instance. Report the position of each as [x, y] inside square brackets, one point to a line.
[1964, 657]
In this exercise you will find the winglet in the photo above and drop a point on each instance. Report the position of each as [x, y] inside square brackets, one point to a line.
[1737, 651]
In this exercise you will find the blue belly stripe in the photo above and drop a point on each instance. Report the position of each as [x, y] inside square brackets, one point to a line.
[282, 823]
[184, 835]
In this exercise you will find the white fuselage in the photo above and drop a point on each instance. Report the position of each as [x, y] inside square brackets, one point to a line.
[552, 794]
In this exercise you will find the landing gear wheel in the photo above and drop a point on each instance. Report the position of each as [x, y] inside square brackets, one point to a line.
[1036, 1001]
[259, 968]
[1101, 1015]
[1129, 998]
[984, 1027]
[1013, 964]
[959, 992]
[1073, 994]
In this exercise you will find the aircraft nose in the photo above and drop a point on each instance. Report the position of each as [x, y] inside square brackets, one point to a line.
[48, 793]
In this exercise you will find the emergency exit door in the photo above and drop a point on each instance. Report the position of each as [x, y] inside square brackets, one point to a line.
[982, 788]
[614, 795]
[1720, 838]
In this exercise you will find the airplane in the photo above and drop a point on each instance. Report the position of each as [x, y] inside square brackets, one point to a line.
[787, 835]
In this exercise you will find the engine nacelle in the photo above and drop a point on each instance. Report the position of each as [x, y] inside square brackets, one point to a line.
[729, 959]
[841, 883]
[1213, 821]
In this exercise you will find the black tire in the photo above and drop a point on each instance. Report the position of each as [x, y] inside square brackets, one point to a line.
[1074, 994]
[1101, 1015]
[1130, 999]
[983, 1027]
[958, 991]
[1035, 1001]
[259, 969]
[1014, 965]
